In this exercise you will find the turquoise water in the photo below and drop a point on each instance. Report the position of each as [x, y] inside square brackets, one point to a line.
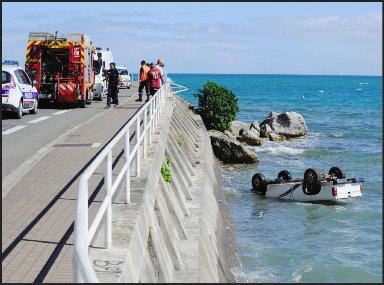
[307, 242]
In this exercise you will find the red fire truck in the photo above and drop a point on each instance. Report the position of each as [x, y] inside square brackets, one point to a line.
[62, 66]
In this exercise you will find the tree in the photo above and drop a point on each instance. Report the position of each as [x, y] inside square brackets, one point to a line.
[218, 106]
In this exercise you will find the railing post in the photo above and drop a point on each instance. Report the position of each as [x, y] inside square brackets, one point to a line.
[128, 172]
[77, 278]
[145, 133]
[152, 118]
[150, 124]
[157, 109]
[108, 214]
[138, 148]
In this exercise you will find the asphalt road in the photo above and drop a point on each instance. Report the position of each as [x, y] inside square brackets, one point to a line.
[23, 138]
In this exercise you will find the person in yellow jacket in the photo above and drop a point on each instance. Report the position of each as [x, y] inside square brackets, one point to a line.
[143, 81]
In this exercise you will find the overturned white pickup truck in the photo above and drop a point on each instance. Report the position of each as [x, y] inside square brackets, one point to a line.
[314, 186]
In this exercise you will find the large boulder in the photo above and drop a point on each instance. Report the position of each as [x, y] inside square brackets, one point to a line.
[250, 137]
[288, 124]
[256, 126]
[229, 150]
[237, 126]
[246, 133]
[278, 138]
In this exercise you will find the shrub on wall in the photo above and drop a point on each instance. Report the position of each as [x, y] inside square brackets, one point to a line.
[218, 106]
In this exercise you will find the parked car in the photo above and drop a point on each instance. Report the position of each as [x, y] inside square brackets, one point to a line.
[18, 91]
[125, 78]
[314, 186]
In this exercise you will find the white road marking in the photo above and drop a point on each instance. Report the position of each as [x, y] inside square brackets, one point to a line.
[61, 112]
[95, 144]
[11, 130]
[39, 119]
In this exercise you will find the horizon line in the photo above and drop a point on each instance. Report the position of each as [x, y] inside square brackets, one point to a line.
[275, 74]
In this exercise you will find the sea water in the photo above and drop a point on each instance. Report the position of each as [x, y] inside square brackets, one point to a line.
[280, 241]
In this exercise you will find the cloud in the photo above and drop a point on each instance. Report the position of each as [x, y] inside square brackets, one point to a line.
[190, 29]
[332, 27]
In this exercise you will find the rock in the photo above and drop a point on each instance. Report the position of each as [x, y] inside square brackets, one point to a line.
[230, 134]
[288, 124]
[250, 137]
[278, 138]
[229, 150]
[265, 131]
[255, 125]
[236, 127]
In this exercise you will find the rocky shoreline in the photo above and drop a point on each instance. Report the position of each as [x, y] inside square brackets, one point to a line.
[230, 146]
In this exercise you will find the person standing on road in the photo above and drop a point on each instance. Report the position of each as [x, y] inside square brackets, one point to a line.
[155, 79]
[165, 73]
[165, 77]
[158, 66]
[113, 79]
[143, 80]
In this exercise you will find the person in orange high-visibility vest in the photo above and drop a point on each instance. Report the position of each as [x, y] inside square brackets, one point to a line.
[143, 80]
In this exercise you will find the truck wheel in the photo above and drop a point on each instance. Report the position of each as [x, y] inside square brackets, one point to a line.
[337, 171]
[19, 112]
[81, 103]
[285, 175]
[88, 101]
[43, 103]
[312, 177]
[259, 183]
[34, 110]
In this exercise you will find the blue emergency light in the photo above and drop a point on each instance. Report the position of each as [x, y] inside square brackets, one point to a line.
[97, 48]
[7, 61]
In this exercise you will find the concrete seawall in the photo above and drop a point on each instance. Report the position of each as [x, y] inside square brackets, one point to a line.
[172, 232]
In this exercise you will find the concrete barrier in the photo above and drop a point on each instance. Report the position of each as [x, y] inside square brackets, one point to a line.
[177, 231]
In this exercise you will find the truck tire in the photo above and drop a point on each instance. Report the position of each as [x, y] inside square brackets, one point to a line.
[259, 183]
[43, 103]
[285, 175]
[89, 100]
[337, 171]
[312, 177]
[34, 110]
[81, 103]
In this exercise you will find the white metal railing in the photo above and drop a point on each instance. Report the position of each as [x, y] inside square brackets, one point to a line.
[134, 77]
[82, 267]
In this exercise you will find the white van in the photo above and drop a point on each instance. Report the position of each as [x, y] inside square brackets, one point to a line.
[101, 62]
[125, 78]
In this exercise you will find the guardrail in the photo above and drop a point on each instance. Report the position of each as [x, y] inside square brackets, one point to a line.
[82, 267]
[134, 77]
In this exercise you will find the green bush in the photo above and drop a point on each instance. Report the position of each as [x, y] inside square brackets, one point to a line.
[218, 106]
[165, 171]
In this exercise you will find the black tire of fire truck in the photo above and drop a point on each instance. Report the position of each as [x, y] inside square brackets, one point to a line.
[34, 110]
[312, 177]
[42, 103]
[337, 171]
[19, 111]
[89, 100]
[285, 175]
[259, 183]
[81, 103]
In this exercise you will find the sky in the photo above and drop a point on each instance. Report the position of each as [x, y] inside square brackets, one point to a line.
[314, 38]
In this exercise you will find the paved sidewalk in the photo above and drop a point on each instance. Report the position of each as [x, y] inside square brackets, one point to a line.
[38, 213]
